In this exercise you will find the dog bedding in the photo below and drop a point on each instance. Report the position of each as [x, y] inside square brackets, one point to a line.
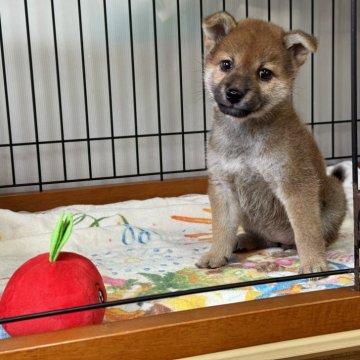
[150, 247]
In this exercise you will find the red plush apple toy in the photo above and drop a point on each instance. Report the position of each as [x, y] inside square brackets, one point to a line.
[53, 281]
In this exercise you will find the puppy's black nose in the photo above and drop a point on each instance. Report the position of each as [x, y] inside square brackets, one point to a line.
[234, 96]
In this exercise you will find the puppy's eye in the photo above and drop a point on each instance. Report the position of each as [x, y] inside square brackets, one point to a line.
[226, 65]
[265, 74]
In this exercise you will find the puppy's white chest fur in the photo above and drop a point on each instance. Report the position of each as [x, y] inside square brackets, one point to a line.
[243, 156]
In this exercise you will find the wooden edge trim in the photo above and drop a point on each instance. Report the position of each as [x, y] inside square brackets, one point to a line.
[102, 194]
[298, 349]
[195, 332]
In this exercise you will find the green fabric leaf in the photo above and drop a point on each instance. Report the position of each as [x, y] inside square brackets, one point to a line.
[60, 235]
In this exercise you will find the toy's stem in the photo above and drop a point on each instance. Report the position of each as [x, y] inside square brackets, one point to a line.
[60, 235]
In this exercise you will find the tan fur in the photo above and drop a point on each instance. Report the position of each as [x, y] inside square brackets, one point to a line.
[266, 172]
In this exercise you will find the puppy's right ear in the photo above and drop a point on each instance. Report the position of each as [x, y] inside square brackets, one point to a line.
[216, 26]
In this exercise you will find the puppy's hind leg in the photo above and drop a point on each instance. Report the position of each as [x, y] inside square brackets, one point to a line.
[333, 208]
[225, 215]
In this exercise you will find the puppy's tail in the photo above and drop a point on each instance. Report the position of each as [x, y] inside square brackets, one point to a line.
[339, 173]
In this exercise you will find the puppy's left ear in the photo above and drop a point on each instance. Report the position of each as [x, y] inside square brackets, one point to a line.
[216, 26]
[300, 44]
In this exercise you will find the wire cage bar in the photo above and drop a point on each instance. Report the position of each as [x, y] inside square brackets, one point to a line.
[164, 140]
[355, 141]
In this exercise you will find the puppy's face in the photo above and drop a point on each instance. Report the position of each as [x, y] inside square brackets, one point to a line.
[251, 65]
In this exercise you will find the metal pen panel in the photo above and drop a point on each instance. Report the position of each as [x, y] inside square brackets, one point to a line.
[126, 97]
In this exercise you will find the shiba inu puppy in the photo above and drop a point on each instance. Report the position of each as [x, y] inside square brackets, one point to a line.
[266, 172]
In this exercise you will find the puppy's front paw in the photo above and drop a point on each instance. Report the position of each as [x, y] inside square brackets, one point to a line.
[314, 266]
[212, 260]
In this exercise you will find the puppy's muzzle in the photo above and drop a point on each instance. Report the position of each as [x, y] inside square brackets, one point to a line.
[234, 96]
[232, 101]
